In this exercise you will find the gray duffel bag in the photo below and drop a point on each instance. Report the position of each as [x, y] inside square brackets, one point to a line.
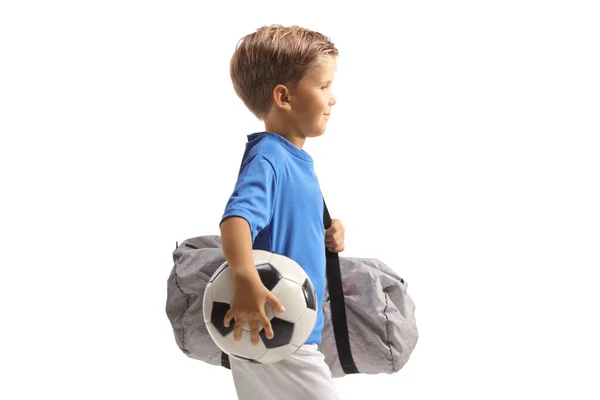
[369, 326]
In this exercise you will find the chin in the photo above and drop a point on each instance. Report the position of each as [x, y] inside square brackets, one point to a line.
[315, 131]
[317, 134]
[319, 131]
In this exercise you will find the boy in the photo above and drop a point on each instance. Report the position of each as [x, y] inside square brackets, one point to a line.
[284, 76]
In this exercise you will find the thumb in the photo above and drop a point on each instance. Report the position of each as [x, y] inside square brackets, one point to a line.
[275, 303]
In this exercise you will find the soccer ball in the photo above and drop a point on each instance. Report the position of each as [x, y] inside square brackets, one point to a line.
[289, 284]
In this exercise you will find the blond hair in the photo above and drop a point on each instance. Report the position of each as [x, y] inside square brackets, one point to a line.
[271, 56]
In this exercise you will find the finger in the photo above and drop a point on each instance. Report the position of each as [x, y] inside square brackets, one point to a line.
[337, 237]
[267, 326]
[253, 332]
[228, 317]
[334, 242]
[237, 329]
[274, 302]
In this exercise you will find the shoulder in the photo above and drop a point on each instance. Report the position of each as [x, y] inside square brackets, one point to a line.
[269, 151]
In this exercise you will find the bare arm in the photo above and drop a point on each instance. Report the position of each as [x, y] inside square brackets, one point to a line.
[237, 247]
[250, 295]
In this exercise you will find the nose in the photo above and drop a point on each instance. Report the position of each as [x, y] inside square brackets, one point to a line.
[332, 101]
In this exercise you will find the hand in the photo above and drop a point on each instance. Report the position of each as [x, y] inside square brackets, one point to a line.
[248, 304]
[334, 236]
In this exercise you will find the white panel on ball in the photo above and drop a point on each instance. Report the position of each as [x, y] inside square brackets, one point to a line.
[291, 295]
[207, 303]
[276, 354]
[261, 257]
[295, 274]
[304, 327]
[222, 287]
[218, 338]
[244, 347]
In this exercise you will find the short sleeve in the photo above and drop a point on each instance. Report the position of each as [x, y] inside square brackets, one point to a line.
[253, 195]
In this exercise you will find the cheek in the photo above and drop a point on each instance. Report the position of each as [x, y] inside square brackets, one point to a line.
[321, 103]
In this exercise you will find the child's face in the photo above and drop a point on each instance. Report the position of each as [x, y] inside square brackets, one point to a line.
[314, 98]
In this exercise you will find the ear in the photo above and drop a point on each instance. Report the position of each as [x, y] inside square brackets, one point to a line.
[281, 97]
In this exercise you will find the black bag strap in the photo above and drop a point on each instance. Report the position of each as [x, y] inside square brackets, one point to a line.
[337, 304]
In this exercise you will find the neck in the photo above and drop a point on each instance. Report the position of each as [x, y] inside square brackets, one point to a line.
[288, 133]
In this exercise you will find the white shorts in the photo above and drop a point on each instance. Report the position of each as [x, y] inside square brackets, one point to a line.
[302, 376]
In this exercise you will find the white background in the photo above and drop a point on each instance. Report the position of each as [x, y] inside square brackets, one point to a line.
[463, 152]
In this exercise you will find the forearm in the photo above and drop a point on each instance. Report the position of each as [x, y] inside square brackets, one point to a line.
[236, 240]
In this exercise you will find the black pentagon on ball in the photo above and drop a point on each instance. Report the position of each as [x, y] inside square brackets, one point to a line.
[268, 275]
[218, 315]
[282, 333]
[309, 295]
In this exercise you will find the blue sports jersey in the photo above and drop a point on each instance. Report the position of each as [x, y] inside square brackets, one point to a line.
[279, 195]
